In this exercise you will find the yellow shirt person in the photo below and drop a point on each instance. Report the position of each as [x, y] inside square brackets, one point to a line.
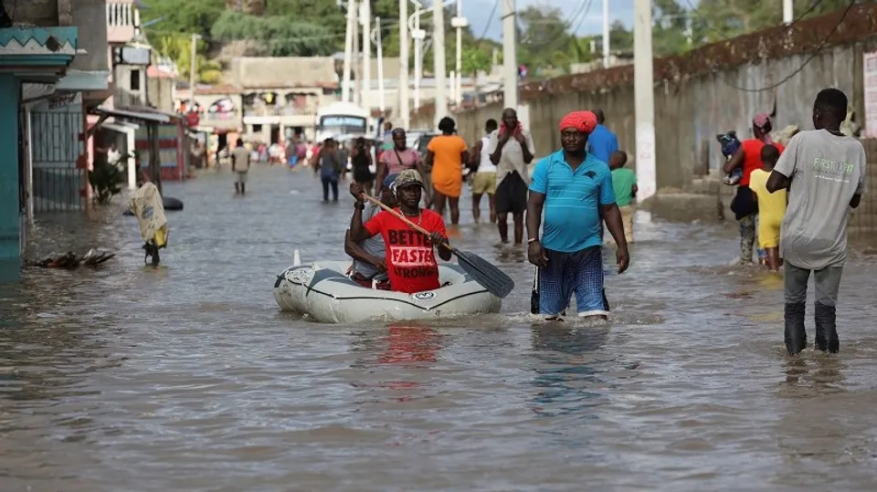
[771, 209]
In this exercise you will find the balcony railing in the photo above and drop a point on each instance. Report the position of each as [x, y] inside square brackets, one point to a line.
[122, 18]
[306, 110]
[122, 14]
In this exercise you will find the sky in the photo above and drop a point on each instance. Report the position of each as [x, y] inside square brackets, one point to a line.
[477, 11]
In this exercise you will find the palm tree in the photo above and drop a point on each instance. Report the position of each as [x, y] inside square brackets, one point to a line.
[177, 48]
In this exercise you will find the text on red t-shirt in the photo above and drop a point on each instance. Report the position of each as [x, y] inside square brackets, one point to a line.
[411, 263]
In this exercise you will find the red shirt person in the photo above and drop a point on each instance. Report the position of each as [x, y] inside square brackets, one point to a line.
[411, 263]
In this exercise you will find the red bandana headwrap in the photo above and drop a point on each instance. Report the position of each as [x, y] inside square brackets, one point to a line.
[583, 121]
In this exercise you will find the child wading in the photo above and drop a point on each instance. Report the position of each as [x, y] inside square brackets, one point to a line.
[624, 185]
[771, 207]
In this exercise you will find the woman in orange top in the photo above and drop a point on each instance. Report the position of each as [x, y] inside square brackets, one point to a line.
[446, 154]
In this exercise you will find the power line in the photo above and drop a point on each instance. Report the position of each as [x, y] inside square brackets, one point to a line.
[584, 16]
[489, 22]
[723, 37]
[806, 62]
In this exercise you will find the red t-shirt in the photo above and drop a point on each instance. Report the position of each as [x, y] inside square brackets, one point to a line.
[752, 157]
[411, 263]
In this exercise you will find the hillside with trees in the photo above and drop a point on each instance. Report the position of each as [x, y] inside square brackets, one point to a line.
[547, 45]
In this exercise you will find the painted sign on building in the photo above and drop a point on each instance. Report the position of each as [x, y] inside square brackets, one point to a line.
[870, 79]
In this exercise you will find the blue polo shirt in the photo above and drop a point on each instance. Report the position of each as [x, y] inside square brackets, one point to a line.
[572, 201]
[602, 143]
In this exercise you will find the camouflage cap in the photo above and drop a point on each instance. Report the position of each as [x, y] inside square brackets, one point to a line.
[408, 177]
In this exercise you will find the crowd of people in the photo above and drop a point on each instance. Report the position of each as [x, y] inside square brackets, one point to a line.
[795, 201]
[575, 190]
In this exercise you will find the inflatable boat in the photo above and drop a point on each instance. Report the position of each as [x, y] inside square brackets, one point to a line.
[323, 292]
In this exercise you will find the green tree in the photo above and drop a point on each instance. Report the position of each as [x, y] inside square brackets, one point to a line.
[176, 16]
[544, 39]
[282, 35]
[475, 60]
[178, 48]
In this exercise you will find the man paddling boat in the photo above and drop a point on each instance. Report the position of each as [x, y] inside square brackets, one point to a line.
[369, 264]
[575, 190]
[410, 255]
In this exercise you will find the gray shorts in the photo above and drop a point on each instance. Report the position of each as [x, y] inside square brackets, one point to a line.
[242, 177]
[827, 283]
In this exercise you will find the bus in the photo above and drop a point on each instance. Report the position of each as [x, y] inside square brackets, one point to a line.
[341, 118]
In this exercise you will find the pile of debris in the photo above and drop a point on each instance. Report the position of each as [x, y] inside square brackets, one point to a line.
[68, 260]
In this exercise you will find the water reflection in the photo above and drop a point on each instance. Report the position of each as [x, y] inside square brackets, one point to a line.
[568, 374]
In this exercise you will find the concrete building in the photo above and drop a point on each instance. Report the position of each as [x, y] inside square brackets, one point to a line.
[280, 96]
[138, 101]
[53, 150]
[32, 61]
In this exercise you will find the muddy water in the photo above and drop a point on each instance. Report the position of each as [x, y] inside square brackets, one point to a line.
[188, 378]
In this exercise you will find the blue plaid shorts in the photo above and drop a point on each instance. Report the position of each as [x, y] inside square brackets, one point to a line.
[567, 273]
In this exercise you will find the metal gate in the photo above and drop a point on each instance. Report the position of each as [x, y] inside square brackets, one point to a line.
[58, 184]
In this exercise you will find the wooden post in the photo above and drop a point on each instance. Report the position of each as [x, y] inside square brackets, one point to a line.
[154, 158]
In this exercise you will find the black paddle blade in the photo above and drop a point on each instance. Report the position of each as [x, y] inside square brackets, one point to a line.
[489, 276]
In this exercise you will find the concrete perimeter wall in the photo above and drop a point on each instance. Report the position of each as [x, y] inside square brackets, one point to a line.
[708, 91]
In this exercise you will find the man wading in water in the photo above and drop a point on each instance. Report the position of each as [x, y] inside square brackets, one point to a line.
[575, 190]
[410, 257]
[511, 151]
[824, 172]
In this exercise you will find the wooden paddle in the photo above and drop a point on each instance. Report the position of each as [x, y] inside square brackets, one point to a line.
[492, 278]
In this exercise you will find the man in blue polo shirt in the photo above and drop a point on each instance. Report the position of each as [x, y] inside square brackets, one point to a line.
[574, 189]
[602, 143]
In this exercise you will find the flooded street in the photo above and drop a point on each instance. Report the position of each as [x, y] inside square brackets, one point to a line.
[189, 378]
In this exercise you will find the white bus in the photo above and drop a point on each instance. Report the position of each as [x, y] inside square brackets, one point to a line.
[341, 118]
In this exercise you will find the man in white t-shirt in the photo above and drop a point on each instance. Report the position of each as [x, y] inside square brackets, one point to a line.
[824, 172]
[484, 181]
[511, 150]
[240, 164]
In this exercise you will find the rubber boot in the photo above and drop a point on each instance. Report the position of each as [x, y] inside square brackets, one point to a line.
[826, 330]
[796, 334]
[237, 187]
[243, 189]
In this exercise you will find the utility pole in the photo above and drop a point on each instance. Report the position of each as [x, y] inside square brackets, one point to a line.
[644, 97]
[419, 35]
[348, 51]
[459, 22]
[788, 12]
[357, 61]
[509, 55]
[404, 108]
[438, 52]
[379, 42]
[193, 68]
[605, 33]
[366, 57]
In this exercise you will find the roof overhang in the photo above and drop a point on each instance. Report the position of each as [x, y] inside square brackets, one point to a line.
[37, 54]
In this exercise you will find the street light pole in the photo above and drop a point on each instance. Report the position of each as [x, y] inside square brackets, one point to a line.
[366, 57]
[438, 50]
[459, 22]
[348, 51]
[605, 33]
[509, 55]
[418, 34]
[379, 41]
[404, 108]
[644, 98]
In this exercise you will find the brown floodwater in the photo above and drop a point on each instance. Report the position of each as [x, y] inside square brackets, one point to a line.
[189, 378]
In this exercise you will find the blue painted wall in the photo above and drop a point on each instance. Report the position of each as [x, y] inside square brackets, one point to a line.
[10, 221]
